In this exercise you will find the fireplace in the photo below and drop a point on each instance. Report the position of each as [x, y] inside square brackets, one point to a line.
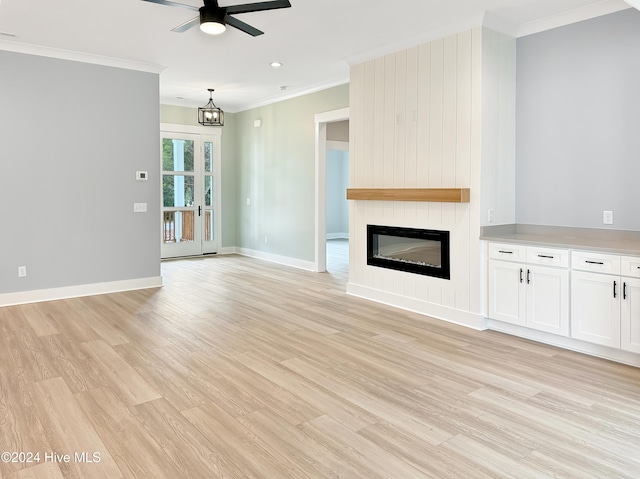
[409, 249]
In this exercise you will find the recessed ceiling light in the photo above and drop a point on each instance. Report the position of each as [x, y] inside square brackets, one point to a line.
[276, 64]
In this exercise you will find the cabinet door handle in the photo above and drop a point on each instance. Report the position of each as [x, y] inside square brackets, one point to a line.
[505, 252]
[594, 262]
[615, 292]
[521, 275]
[545, 256]
[528, 276]
[624, 290]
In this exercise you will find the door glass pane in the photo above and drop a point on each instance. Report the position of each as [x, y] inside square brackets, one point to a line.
[177, 155]
[178, 226]
[208, 225]
[208, 190]
[208, 157]
[177, 190]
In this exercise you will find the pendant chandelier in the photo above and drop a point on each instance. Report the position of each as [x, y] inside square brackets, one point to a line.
[210, 114]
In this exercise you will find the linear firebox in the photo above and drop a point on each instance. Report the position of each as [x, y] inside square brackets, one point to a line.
[413, 250]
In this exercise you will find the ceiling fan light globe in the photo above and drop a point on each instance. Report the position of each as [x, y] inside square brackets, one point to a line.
[213, 28]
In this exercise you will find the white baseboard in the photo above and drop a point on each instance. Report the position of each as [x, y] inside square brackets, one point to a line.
[52, 294]
[571, 344]
[444, 313]
[274, 258]
[331, 236]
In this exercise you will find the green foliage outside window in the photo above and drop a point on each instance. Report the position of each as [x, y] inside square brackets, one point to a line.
[168, 189]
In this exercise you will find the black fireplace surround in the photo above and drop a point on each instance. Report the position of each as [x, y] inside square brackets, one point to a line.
[409, 249]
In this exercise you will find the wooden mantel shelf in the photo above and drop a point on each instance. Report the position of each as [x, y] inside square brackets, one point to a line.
[444, 195]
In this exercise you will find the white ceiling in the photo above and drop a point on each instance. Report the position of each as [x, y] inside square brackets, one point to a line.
[316, 40]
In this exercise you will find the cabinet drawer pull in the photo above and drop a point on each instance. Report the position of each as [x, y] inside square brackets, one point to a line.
[528, 276]
[545, 256]
[505, 252]
[594, 262]
[521, 275]
[624, 290]
[615, 293]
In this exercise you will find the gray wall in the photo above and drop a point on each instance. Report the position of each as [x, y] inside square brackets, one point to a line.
[276, 172]
[578, 123]
[72, 136]
[337, 184]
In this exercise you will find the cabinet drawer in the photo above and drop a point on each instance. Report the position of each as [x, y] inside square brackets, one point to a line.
[507, 252]
[548, 256]
[630, 266]
[597, 262]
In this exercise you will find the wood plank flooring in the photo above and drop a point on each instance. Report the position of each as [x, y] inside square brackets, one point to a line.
[243, 369]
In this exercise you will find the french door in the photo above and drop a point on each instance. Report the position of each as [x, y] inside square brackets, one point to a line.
[190, 194]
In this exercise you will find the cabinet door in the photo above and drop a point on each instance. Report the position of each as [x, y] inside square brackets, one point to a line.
[506, 292]
[595, 308]
[630, 315]
[548, 299]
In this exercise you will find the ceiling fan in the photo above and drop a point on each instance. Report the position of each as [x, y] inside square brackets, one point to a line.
[213, 18]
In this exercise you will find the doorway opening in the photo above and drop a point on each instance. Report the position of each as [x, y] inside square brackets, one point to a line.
[190, 193]
[327, 124]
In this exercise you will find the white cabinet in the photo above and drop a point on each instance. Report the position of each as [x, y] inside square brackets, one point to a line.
[595, 308]
[531, 292]
[605, 304]
[630, 315]
[584, 295]
[506, 292]
[548, 299]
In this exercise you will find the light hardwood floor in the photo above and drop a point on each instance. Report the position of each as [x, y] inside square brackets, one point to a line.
[239, 368]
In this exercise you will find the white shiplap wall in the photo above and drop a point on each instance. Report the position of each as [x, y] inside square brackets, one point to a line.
[416, 121]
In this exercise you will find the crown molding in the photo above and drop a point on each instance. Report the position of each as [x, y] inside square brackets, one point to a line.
[587, 12]
[294, 94]
[27, 49]
[426, 37]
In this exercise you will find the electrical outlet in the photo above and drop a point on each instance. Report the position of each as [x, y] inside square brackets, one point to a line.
[248, 201]
[607, 217]
[22, 271]
[266, 239]
[490, 216]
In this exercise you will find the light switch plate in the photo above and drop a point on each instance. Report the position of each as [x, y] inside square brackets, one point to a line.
[139, 207]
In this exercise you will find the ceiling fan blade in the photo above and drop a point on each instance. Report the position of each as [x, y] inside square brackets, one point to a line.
[186, 25]
[257, 7]
[234, 22]
[173, 4]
